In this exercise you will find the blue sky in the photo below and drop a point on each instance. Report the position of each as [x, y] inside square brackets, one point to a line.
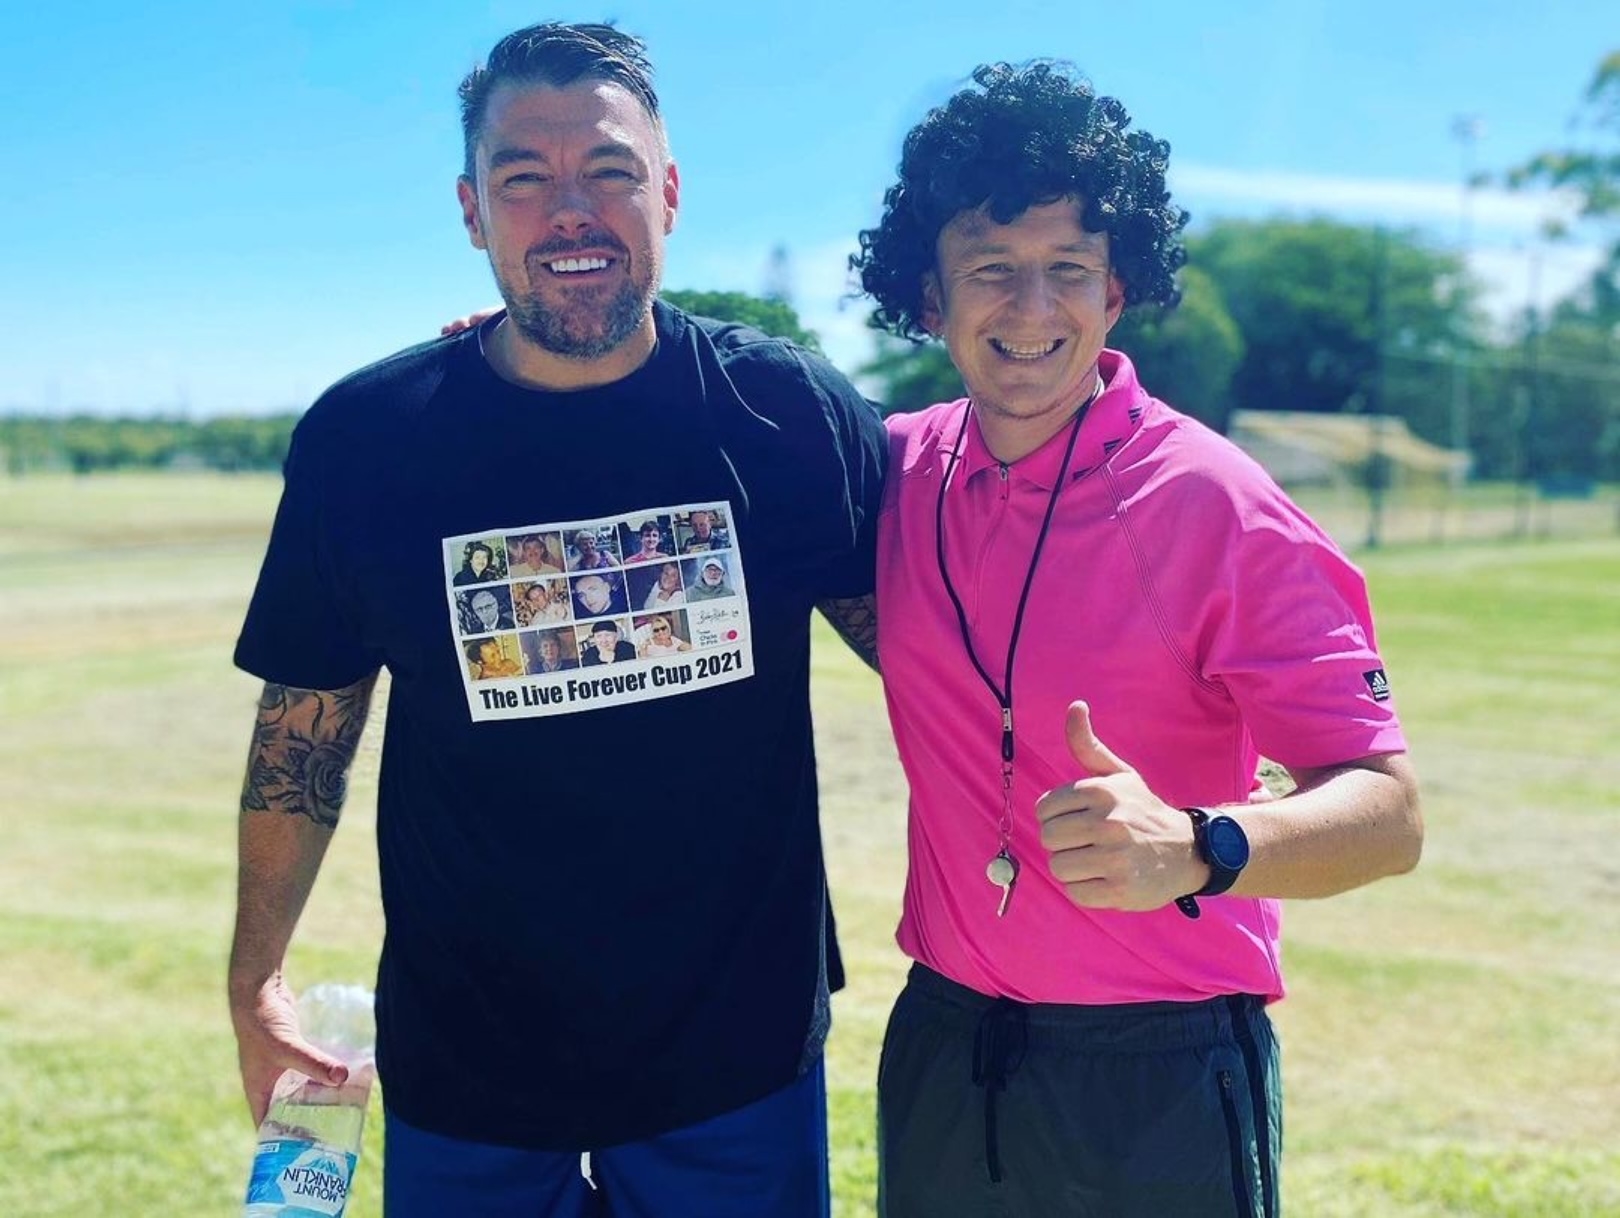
[215, 205]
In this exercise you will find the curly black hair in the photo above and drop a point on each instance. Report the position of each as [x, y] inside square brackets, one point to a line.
[1024, 136]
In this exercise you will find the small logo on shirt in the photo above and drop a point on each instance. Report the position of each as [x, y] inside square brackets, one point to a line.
[1378, 683]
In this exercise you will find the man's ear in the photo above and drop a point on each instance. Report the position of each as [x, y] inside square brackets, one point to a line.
[933, 310]
[672, 196]
[467, 193]
[1116, 299]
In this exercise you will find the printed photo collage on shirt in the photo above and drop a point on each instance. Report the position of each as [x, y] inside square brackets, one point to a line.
[551, 598]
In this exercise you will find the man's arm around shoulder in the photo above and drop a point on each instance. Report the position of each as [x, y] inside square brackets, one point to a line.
[855, 620]
[303, 743]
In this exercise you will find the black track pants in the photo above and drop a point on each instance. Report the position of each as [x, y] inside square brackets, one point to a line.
[1147, 1110]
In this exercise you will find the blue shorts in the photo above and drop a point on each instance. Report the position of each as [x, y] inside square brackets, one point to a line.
[767, 1160]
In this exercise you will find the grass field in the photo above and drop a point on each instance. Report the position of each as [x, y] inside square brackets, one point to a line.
[1452, 1040]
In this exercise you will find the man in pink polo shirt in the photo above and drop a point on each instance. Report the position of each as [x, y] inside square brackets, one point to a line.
[1062, 558]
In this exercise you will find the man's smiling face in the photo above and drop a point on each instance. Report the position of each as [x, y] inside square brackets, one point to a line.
[1024, 309]
[573, 200]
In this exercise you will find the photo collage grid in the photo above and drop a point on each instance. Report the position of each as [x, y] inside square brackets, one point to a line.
[560, 597]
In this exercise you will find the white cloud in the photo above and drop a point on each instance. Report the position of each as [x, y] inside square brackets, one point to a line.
[1506, 244]
[1207, 189]
[1538, 273]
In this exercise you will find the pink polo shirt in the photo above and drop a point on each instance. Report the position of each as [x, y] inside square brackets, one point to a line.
[1202, 615]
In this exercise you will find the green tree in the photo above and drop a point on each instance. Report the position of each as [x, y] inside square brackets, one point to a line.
[88, 443]
[911, 376]
[243, 442]
[1570, 401]
[1186, 355]
[1326, 309]
[774, 317]
[30, 443]
[1592, 174]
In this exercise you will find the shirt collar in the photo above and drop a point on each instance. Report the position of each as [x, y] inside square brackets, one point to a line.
[1109, 422]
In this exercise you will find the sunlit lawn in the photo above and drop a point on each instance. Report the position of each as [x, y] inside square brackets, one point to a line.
[1452, 1039]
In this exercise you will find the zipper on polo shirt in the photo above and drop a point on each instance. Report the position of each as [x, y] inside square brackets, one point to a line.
[978, 527]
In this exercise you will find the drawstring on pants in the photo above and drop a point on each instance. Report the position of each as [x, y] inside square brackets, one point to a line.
[999, 1043]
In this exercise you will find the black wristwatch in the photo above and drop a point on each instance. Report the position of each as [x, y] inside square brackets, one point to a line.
[1220, 842]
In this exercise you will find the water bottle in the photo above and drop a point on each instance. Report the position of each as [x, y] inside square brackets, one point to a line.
[310, 1139]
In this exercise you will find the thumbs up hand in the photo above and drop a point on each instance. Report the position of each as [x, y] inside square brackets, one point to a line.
[1113, 843]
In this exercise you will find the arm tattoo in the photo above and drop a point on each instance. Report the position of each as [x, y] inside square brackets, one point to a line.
[855, 620]
[303, 743]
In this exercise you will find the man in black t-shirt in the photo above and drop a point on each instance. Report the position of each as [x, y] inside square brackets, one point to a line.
[562, 972]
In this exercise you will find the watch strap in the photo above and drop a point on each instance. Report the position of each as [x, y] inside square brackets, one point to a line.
[1220, 878]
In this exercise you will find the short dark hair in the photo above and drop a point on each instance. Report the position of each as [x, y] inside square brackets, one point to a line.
[558, 54]
[1017, 138]
[606, 625]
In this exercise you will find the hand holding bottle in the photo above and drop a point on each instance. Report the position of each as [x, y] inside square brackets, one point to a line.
[309, 1137]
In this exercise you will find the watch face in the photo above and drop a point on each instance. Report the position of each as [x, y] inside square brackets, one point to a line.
[1228, 844]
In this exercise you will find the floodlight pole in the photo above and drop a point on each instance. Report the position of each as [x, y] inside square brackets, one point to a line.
[1466, 129]
[1377, 476]
[1529, 465]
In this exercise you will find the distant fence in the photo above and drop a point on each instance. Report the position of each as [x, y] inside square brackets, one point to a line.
[1436, 513]
[1508, 442]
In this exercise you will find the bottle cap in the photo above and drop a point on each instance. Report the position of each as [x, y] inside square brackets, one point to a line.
[339, 1019]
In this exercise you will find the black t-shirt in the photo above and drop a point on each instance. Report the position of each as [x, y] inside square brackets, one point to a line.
[589, 939]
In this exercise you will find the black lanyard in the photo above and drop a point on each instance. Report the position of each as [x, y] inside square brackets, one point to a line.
[1003, 693]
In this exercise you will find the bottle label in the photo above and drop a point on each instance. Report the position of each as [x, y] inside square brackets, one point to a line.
[307, 1179]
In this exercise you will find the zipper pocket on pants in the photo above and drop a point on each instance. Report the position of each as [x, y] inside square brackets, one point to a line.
[1241, 1194]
